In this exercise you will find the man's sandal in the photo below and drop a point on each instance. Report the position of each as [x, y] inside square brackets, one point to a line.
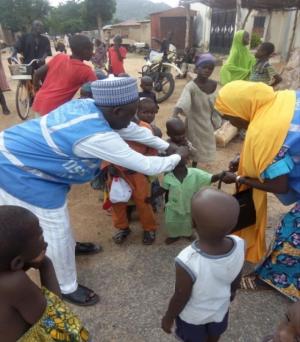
[148, 238]
[121, 236]
[83, 296]
[87, 248]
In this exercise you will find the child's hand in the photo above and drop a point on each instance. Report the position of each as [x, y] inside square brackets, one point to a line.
[234, 164]
[229, 177]
[166, 324]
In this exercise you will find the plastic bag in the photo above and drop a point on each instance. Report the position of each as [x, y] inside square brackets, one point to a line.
[120, 191]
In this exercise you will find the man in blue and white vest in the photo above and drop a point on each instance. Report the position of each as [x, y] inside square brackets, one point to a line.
[41, 158]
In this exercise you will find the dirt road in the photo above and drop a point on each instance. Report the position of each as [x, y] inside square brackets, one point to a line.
[135, 281]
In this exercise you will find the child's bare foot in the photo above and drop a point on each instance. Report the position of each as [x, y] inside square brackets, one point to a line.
[171, 240]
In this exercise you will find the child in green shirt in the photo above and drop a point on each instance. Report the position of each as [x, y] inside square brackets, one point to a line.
[180, 186]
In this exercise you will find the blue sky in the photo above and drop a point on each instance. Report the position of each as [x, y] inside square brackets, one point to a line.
[170, 2]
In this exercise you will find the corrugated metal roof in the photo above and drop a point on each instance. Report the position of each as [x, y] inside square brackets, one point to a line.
[254, 4]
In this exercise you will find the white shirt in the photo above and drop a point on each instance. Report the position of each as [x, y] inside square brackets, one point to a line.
[212, 276]
[112, 148]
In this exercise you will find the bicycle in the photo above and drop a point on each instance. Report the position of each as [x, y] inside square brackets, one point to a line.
[25, 90]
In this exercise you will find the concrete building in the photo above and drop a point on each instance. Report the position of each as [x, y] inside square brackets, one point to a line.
[172, 20]
[274, 21]
[131, 30]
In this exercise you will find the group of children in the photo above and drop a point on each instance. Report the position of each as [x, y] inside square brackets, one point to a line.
[207, 277]
[207, 271]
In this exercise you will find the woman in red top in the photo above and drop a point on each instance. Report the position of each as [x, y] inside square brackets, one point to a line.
[63, 76]
[117, 54]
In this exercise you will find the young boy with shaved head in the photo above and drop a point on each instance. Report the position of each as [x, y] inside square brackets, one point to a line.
[207, 271]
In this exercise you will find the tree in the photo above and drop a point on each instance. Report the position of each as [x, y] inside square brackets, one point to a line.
[69, 17]
[18, 15]
[100, 11]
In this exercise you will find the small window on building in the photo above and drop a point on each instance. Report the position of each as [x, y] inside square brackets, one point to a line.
[259, 25]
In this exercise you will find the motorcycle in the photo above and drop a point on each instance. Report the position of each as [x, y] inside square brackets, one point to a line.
[159, 67]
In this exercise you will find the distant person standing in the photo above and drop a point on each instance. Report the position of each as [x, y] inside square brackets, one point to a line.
[240, 61]
[63, 76]
[100, 57]
[3, 87]
[116, 55]
[165, 43]
[33, 45]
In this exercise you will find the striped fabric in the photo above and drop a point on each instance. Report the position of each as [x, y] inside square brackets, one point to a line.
[115, 91]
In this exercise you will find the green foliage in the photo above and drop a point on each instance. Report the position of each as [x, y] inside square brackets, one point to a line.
[255, 40]
[69, 17]
[18, 15]
[100, 11]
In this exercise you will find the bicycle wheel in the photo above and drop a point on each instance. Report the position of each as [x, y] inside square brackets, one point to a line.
[164, 86]
[23, 100]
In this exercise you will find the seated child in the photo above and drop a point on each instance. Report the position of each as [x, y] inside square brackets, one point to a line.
[180, 185]
[29, 313]
[263, 70]
[139, 183]
[289, 328]
[147, 87]
[207, 271]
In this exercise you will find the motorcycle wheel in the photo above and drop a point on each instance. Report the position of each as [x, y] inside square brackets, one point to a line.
[164, 86]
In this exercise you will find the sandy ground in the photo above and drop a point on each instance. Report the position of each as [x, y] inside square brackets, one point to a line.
[134, 281]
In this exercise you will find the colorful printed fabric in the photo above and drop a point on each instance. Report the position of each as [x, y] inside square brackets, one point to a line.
[281, 267]
[58, 323]
[262, 72]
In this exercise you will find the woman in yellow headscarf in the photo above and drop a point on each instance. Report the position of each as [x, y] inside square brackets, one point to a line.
[269, 162]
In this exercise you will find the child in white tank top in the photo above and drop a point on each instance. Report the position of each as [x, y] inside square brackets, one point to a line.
[207, 271]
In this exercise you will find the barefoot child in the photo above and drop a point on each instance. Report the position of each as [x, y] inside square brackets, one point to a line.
[207, 271]
[196, 104]
[29, 313]
[180, 186]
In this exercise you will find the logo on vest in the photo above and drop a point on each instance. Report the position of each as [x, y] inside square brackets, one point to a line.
[73, 167]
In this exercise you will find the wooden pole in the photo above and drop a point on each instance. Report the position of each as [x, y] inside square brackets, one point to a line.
[188, 25]
[246, 18]
[293, 34]
[238, 14]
